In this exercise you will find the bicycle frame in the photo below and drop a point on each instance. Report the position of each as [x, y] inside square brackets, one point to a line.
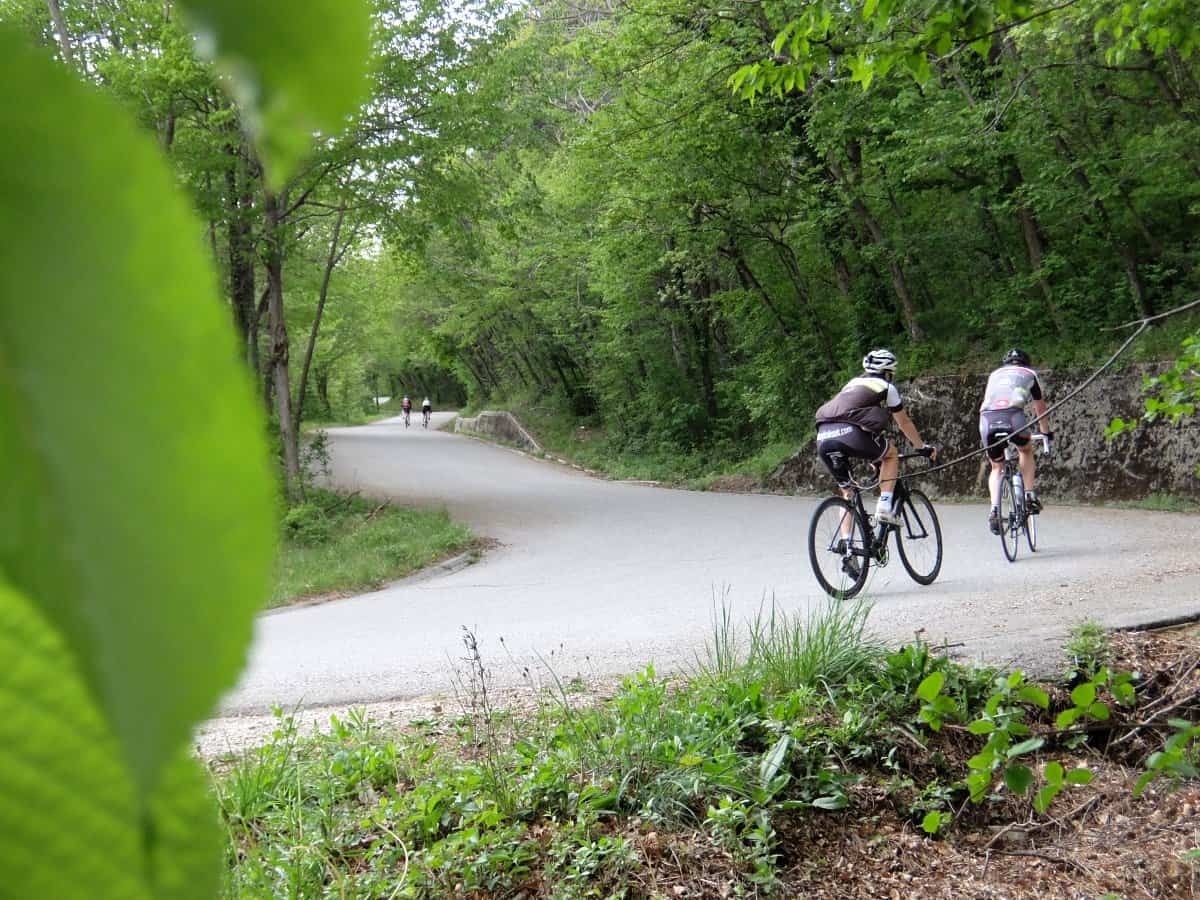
[876, 538]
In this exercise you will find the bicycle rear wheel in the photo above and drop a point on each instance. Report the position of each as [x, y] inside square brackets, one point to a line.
[919, 538]
[837, 548]
[1010, 520]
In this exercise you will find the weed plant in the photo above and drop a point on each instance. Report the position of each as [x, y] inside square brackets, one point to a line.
[789, 715]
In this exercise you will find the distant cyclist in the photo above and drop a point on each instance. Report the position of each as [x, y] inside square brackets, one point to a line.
[1010, 389]
[406, 408]
[851, 425]
[426, 410]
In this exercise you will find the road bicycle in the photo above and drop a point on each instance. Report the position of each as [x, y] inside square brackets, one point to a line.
[1015, 516]
[844, 541]
[407, 413]
[425, 414]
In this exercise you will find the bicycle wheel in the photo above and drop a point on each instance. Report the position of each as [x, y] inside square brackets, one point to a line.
[840, 563]
[1031, 532]
[919, 538]
[1010, 520]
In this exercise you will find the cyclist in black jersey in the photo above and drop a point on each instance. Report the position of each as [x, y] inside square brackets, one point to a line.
[1010, 389]
[851, 425]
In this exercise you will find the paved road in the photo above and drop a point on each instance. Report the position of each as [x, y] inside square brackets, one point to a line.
[602, 577]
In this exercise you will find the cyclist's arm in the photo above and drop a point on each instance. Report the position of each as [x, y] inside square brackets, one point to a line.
[1039, 409]
[910, 430]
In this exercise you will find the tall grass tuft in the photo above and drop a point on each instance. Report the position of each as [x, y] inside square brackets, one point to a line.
[827, 647]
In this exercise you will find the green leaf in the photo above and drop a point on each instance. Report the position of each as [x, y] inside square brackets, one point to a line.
[931, 686]
[1084, 695]
[981, 761]
[1140, 785]
[69, 813]
[1043, 798]
[978, 783]
[932, 822]
[773, 760]
[1033, 694]
[136, 505]
[1014, 680]
[1067, 717]
[1099, 712]
[1018, 778]
[1054, 772]
[1024, 747]
[185, 861]
[1080, 776]
[1124, 692]
[982, 726]
[298, 67]
[834, 801]
[869, 9]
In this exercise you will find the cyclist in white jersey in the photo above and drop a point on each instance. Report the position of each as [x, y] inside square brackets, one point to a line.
[1010, 389]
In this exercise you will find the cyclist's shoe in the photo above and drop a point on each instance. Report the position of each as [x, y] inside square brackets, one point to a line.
[884, 513]
[994, 521]
[1032, 504]
[849, 564]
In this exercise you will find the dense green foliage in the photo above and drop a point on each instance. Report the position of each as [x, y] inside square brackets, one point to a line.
[797, 726]
[135, 539]
[683, 222]
[621, 230]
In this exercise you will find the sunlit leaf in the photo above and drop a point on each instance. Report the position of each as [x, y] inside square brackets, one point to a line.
[69, 812]
[298, 67]
[136, 504]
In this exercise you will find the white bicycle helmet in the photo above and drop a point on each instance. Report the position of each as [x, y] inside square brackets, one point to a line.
[879, 361]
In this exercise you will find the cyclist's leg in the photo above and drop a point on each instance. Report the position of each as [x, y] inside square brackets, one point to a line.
[1028, 465]
[889, 468]
[834, 454]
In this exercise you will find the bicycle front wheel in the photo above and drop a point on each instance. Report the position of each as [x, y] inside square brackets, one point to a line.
[1031, 532]
[919, 538]
[1010, 520]
[837, 548]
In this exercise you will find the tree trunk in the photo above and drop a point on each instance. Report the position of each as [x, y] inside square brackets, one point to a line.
[272, 213]
[331, 260]
[60, 26]
[239, 201]
[899, 281]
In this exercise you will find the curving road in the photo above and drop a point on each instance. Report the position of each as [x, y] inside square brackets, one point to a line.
[601, 577]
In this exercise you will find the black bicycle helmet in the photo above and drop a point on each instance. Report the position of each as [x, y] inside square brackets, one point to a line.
[1016, 357]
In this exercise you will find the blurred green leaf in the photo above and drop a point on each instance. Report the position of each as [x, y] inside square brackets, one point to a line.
[136, 504]
[1018, 778]
[931, 686]
[185, 860]
[69, 813]
[1084, 695]
[299, 68]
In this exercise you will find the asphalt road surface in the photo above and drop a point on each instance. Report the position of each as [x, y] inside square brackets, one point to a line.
[599, 578]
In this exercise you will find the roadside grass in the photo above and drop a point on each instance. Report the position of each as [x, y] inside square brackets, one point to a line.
[334, 544]
[1162, 503]
[802, 758]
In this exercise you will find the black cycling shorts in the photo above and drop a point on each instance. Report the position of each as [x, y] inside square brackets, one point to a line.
[995, 424]
[837, 443]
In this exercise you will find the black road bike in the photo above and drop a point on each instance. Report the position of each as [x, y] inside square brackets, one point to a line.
[844, 541]
[407, 413]
[1015, 515]
[425, 418]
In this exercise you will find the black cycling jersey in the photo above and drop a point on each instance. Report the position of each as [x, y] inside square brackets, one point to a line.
[867, 401]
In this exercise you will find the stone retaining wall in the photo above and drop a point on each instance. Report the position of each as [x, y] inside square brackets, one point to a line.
[501, 425]
[1156, 458]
